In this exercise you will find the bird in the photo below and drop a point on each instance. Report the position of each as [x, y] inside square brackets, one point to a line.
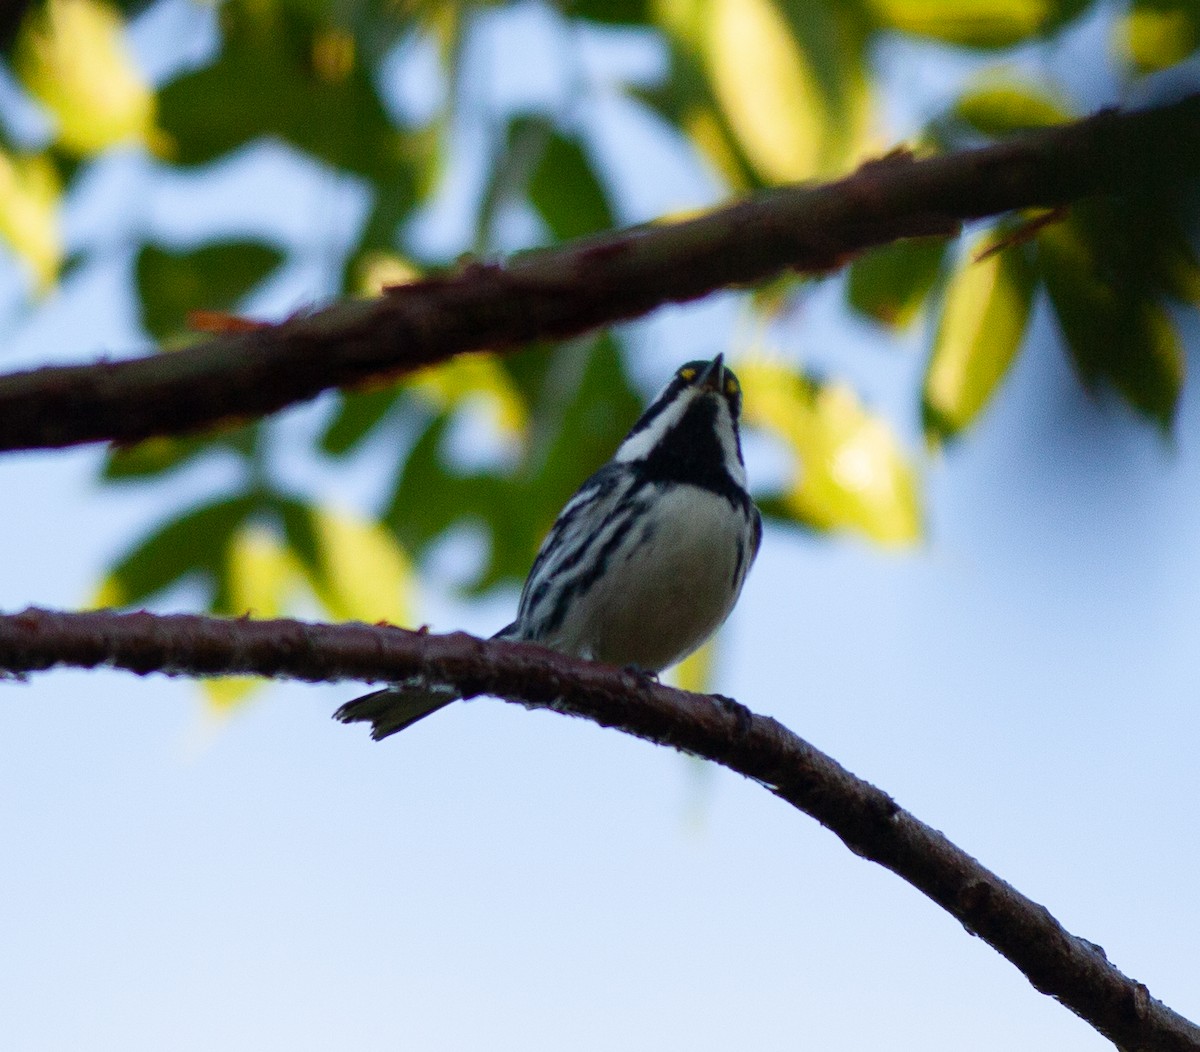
[645, 562]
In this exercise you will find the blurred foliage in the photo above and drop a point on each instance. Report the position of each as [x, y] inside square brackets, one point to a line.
[30, 188]
[72, 56]
[173, 284]
[984, 313]
[759, 91]
[849, 470]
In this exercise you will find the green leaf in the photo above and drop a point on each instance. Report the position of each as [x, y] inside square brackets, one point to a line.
[556, 172]
[357, 415]
[300, 531]
[614, 12]
[194, 543]
[984, 316]
[566, 191]
[997, 108]
[166, 453]
[977, 23]
[430, 496]
[286, 73]
[686, 103]
[1107, 269]
[890, 284]
[215, 277]
[585, 407]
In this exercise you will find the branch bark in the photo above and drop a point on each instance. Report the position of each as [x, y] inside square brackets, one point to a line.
[561, 292]
[869, 822]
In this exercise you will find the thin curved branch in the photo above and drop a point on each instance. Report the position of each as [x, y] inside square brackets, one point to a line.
[871, 824]
[561, 292]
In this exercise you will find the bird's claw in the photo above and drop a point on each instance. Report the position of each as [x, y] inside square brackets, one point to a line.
[644, 677]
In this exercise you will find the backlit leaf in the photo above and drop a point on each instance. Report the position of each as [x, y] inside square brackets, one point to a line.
[72, 56]
[1159, 33]
[695, 672]
[998, 107]
[984, 315]
[366, 576]
[358, 413]
[473, 377]
[30, 193]
[566, 190]
[164, 453]
[581, 405]
[296, 77]
[976, 23]
[766, 87]
[261, 574]
[850, 473]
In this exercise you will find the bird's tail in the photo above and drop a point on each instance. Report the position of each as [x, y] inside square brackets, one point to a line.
[394, 708]
[399, 706]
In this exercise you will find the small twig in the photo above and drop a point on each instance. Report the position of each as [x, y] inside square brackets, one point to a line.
[1023, 233]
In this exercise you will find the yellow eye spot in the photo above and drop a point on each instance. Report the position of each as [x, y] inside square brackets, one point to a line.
[688, 374]
[731, 386]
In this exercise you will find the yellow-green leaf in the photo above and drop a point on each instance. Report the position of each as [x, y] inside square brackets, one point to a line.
[378, 270]
[72, 56]
[29, 214]
[1159, 34]
[767, 88]
[975, 23]
[983, 321]
[695, 671]
[478, 376]
[1000, 107]
[365, 575]
[850, 472]
[261, 576]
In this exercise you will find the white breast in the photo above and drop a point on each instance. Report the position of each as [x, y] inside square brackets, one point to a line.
[670, 592]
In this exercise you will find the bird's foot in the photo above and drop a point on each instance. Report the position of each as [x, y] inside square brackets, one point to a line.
[644, 677]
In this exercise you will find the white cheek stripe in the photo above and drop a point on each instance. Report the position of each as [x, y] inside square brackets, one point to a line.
[638, 446]
[727, 435]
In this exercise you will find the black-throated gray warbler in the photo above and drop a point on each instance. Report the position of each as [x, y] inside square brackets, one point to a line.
[646, 561]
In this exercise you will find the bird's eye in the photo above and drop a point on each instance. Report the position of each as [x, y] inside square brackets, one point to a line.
[687, 374]
[731, 386]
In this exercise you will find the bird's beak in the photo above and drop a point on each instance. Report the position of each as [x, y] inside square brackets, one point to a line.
[713, 377]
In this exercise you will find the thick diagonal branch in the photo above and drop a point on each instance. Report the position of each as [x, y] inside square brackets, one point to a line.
[565, 291]
[871, 824]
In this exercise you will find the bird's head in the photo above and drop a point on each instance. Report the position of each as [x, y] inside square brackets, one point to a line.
[691, 428]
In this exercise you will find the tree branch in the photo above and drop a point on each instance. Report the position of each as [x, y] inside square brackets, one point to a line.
[871, 824]
[564, 291]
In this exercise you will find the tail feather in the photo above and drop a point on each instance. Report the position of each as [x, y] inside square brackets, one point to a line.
[395, 708]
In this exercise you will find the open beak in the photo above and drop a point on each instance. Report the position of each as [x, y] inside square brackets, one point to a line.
[713, 377]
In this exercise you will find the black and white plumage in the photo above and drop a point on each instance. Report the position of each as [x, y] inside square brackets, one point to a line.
[646, 561]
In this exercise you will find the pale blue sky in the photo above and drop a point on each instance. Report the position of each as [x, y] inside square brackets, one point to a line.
[1025, 681]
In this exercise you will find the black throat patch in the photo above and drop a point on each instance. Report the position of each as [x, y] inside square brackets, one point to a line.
[691, 452]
